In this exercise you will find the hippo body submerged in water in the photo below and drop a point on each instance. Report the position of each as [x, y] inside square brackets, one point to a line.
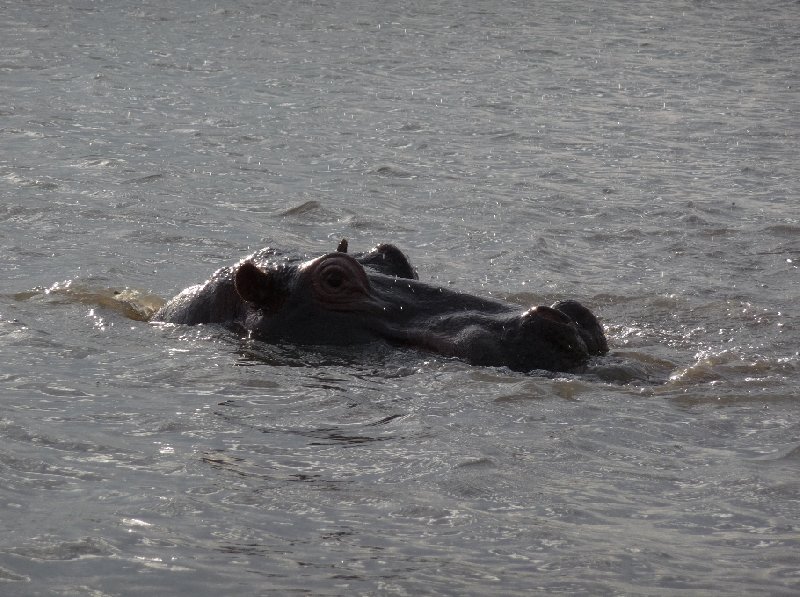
[341, 299]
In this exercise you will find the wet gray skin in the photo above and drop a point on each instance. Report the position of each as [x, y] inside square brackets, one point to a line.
[341, 299]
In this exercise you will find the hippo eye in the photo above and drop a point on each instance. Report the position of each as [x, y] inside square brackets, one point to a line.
[334, 279]
[338, 281]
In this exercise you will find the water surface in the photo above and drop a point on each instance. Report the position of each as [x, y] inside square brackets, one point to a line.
[640, 158]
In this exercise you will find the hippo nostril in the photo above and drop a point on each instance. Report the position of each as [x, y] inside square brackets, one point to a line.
[590, 328]
[546, 338]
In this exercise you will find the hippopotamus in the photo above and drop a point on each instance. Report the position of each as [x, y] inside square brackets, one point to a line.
[344, 299]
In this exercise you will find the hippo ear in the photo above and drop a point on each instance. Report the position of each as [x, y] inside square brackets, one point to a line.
[388, 259]
[258, 288]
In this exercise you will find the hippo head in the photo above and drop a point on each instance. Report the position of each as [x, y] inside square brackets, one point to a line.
[350, 299]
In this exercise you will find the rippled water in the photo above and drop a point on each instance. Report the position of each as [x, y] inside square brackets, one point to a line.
[641, 158]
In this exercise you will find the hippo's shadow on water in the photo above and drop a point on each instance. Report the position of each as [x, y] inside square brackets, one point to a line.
[373, 361]
[381, 361]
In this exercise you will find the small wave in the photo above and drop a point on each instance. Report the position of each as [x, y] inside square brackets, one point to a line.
[412, 127]
[302, 209]
[506, 136]
[789, 231]
[144, 179]
[728, 365]
[393, 172]
[630, 368]
[44, 549]
[25, 182]
[9, 576]
[133, 304]
[97, 161]
[791, 454]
